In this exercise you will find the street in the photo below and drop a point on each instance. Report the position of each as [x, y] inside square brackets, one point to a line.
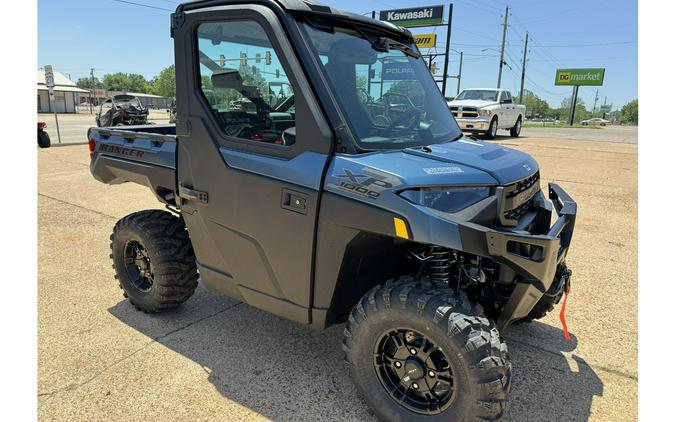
[217, 359]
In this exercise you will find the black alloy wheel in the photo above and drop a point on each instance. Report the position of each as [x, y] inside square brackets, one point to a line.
[415, 371]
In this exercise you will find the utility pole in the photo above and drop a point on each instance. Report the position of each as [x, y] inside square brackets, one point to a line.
[501, 54]
[595, 103]
[522, 75]
[447, 50]
[91, 91]
[459, 75]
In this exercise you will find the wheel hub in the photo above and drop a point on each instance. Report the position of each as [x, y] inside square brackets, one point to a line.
[138, 265]
[414, 368]
[415, 371]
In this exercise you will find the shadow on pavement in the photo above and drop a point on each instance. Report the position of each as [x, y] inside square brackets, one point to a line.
[285, 371]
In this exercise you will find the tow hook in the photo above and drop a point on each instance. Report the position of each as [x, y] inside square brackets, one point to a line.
[567, 276]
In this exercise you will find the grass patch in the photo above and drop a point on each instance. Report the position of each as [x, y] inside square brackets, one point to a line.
[560, 125]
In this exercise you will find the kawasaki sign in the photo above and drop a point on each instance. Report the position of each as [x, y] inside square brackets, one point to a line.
[580, 77]
[416, 16]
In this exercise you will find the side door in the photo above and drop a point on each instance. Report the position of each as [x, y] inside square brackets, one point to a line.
[506, 103]
[249, 177]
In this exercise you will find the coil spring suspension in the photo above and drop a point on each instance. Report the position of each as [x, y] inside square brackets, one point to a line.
[439, 265]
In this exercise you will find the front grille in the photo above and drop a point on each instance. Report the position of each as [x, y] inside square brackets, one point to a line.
[518, 198]
[518, 211]
[522, 185]
[458, 111]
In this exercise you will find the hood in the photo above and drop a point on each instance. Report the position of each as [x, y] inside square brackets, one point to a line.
[472, 103]
[506, 165]
[462, 162]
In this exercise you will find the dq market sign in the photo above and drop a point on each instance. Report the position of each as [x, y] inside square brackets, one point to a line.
[580, 77]
[415, 16]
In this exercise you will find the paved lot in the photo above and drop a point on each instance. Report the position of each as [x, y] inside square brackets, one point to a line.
[74, 126]
[615, 134]
[215, 359]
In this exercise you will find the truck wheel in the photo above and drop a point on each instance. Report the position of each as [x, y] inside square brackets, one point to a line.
[153, 260]
[43, 139]
[492, 130]
[515, 130]
[417, 351]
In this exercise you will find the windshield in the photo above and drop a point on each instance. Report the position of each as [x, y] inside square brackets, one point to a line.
[478, 94]
[385, 90]
[126, 101]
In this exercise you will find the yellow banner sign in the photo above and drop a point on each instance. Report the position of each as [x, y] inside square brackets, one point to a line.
[425, 40]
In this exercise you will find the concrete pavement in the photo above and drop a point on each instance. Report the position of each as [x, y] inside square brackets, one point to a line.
[216, 359]
[614, 134]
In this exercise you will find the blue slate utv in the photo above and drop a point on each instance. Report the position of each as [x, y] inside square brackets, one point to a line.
[316, 172]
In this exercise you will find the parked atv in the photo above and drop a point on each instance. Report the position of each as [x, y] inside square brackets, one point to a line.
[121, 110]
[43, 136]
[326, 209]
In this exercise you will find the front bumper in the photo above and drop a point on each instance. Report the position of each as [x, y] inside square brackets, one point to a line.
[534, 249]
[478, 124]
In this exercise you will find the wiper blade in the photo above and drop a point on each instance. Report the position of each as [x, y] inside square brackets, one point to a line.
[408, 51]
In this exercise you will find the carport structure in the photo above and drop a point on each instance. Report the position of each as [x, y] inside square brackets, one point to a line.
[66, 94]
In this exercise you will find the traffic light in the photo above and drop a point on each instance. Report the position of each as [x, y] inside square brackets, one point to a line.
[257, 58]
[268, 58]
[433, 68]
[244, 59]
[277, 73]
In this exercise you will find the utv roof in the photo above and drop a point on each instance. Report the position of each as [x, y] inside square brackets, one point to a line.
[304, 7]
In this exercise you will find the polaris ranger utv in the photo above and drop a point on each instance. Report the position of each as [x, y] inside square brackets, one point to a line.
[354, 197]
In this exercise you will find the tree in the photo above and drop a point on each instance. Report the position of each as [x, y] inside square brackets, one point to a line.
[85, 83]
[131, 82]
[164, 84]
[629, 112]
[534, 106]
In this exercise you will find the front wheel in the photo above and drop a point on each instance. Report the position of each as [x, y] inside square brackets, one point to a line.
[418, 351]
[492, 130]
[515, 130]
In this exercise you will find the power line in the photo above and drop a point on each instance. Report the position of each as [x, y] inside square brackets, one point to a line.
[143, 5]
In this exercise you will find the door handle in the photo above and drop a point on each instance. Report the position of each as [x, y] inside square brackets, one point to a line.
[294, 201]
[192, 194]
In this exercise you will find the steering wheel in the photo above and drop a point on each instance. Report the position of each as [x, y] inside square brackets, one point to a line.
[413, 115]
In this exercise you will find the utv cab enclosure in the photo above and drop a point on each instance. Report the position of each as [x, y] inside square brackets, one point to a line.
[339, 196]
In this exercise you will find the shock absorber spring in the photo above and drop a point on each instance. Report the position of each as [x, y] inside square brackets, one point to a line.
[439, 264]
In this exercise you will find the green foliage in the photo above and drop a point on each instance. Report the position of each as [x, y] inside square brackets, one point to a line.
[131, 82]
[534, 106]
[86, 83]
[413, 89]
[629, 112]
[164, 84]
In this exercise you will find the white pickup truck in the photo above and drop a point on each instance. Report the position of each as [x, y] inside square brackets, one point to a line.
[484, 110]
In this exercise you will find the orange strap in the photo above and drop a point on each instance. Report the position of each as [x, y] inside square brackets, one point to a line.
[562, 315]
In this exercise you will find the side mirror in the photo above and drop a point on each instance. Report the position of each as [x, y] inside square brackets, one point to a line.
[227, 79]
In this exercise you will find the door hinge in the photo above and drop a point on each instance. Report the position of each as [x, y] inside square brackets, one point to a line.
[177, 20]
[192, 194]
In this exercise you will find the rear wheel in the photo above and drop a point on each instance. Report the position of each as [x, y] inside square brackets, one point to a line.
[492, 130]
[515, 130]
[417, 351]
[153, 260]
[43, 139]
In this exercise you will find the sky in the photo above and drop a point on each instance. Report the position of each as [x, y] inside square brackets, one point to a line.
[116, 36]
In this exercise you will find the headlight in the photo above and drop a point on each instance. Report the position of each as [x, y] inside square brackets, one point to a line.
[447, 199]
[485, 112]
